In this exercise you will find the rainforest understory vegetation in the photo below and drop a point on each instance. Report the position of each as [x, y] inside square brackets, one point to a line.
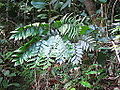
[59, 44]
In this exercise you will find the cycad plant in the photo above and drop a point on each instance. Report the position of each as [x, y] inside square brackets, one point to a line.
[62, 41]
[66, 43]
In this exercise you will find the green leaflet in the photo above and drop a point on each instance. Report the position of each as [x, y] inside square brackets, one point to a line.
[72, 89]
[67, 3]
[86, 84]
[84, 29]
[39, 4]
[103, 1]
[91, 72]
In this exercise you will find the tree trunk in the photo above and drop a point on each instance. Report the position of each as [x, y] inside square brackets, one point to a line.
[91, 9]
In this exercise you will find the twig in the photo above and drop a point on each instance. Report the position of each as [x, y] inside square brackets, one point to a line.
[24, 15]
[35, 76]
[112, 15]
[116, 51]
[2, 19]
[7, 8]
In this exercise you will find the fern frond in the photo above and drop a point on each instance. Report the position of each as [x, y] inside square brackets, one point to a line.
[78, 52]
[44, 53]
[21, 54]
[27, 31]
[87, 43]
[116, 29]
[71, 26]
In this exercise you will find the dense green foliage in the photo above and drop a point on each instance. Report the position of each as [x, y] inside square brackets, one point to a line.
[59, 45]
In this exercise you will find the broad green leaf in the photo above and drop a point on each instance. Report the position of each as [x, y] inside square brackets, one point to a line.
[38, 4]
[42, 16]
[95, 65]
[91, 72]
[5, 83]
[11, 75]
[1, 78]
[1, 61]
[14, 84]
[84, 29]
[1, 4]
[57, 24]
[103, 1]
[6, 73]
[86, 84]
